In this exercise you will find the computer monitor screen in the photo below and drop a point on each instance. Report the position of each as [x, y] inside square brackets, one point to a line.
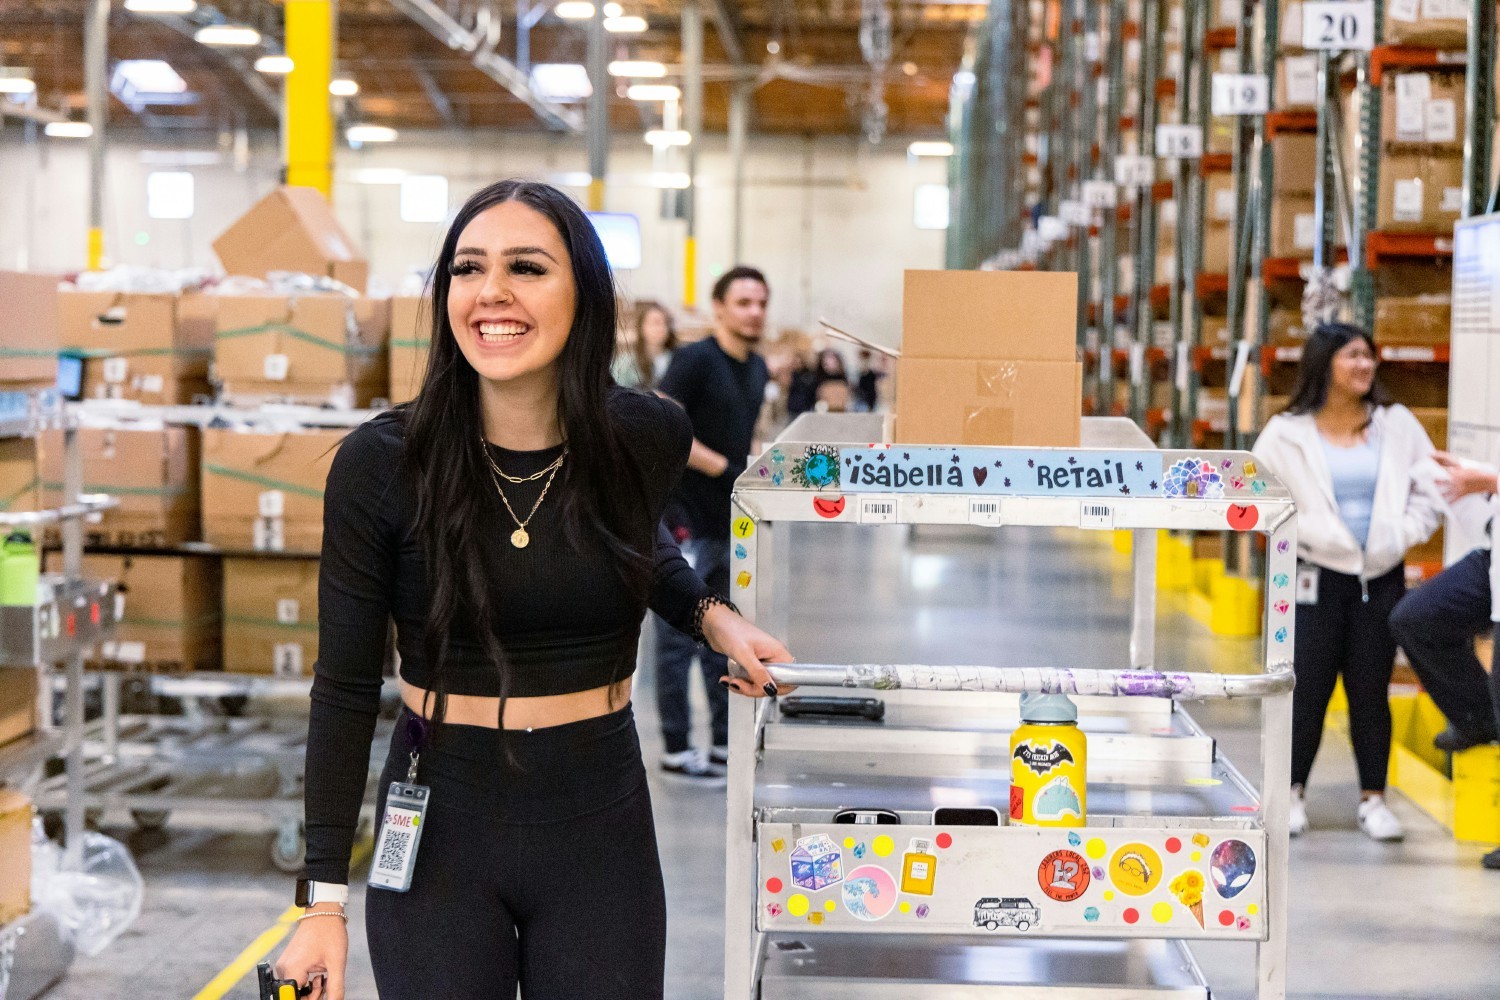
[69, 376]
[621, 235]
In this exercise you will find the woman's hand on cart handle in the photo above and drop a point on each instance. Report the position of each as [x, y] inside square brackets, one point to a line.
[319, 950]
[747, 646]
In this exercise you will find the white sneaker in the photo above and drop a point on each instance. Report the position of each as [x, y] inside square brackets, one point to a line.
[693, 764]
[1377, 820]
[1297, 816]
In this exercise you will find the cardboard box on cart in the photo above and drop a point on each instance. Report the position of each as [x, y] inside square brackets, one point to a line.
[264, 491]
[20, 475]
[292, 229]
[15, 855]
[28, 337]
[18, 699]
[153, 472]
[411, 333]
[152, 347]
[317, 349]
[270, 616]
[989, 358]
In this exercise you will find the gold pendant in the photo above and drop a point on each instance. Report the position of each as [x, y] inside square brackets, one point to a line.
[519, 538]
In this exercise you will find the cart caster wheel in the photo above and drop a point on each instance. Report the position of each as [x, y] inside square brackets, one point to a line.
[289, 849]
[150, 819]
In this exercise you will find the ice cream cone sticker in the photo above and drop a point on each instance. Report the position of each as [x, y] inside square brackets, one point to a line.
[1188, 888]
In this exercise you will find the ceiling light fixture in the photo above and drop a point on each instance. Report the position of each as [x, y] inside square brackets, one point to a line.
[561, 81]
[228, 35]
[640, 68]
[17, 85]
[625, 25]
[275, 65]
[653, 92]
[930, 149]
[370, 133]
[668, 137]
[570, 10]
[161, 6]
[69, 130]
[343, 87]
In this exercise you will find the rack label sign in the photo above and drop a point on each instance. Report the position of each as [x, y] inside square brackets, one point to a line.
[1340, 25]
[1000, 472]
[1134, 171]
[1241, 94]
[1179, 142]
[1074, 213]
[1099, 194]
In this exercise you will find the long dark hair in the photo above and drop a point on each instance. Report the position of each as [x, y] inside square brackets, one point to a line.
[1316, 370]
[643, 359]
[601, 486]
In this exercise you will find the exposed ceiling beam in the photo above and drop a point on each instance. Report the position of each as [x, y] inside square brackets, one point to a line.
[504, 72]
[731, 33]
[265, 95]
[42, 115]
[440, 102]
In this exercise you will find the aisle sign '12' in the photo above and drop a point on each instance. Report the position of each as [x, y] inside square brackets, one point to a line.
[1241, 94]
[1340, 25]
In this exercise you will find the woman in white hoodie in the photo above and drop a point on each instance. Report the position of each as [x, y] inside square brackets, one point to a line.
[1347, 454]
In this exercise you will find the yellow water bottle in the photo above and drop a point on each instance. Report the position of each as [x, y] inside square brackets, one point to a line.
[1048, 764]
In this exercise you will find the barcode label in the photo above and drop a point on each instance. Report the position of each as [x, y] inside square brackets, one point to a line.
[1096, 516]
[393, 850]
[984, 512]
[400, 833]
[877, 511]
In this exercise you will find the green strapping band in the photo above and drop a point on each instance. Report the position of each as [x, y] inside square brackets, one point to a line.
[22, 352]
[134, 491]
[93, 353]
[420, 345]
[208, 619]
[5, 502]
[296, 334]
[273, 484]
[270, 623]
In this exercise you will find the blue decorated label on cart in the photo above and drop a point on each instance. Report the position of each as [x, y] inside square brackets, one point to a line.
[1016, 472]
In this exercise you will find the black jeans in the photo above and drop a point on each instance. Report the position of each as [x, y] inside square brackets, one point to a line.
[543, 872]
[1436, 625]
[675, 653]
[1346, 633]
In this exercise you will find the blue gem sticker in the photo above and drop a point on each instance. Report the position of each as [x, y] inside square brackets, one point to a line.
[740, 553]
[1281, 634]
[1280, 579]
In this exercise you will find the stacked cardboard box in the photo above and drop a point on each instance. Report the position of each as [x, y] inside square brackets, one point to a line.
[270, 616]
[411, 332]
[18, 700]
[20, 480]
[989, 358]
[1294, 220]
[169, 609]
[264, 491]
[28, 337]
[150, 347]
[1413, 319]
[153, 472]
[15, 856]
[316, 349]
[1435, 23]
[292, 229]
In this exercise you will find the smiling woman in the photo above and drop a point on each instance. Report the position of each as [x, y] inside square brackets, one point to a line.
[507, 519]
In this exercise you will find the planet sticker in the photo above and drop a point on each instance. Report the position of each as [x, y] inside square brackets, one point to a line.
[1135, 869]
[1232, 867]
[869, 892]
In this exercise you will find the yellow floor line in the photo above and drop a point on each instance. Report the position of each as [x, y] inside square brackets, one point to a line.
[245, 962]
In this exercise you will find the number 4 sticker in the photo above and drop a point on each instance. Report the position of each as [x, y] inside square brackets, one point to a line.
[1339, 25]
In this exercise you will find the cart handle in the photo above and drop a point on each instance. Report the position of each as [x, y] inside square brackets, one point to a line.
[1278, 680]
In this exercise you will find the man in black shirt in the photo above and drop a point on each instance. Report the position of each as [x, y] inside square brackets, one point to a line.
[721, 383]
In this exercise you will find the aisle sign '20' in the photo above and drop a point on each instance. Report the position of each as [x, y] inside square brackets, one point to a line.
[1339, 25]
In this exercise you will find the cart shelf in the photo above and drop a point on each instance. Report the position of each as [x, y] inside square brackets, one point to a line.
[74, 616]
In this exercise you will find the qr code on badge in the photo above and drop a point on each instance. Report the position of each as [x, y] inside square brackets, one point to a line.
[393, 850]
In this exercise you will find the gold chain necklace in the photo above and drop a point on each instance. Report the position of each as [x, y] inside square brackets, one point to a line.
[552, 467]
[519, 538]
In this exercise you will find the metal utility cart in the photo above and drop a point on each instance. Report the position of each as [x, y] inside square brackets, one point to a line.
[70, 617]
[149, 767]
[1178, 846]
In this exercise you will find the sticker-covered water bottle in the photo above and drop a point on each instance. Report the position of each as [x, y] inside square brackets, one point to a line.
[20, 570]
[1048, 764]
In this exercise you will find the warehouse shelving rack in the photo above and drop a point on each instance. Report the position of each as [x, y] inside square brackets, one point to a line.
[813, 909]
[71, 616]
[200, 762]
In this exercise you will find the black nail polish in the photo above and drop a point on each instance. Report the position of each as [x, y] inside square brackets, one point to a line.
[769, 689]
[724, 684]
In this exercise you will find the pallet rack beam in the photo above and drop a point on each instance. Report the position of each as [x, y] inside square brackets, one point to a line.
[1145, 213]
[1479, 110]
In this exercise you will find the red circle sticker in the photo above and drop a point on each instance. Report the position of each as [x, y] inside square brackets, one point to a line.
[1226, 917]
[944, 841]
[1131, 915]
[773, 885]
[1173, 845]
[1063, 875]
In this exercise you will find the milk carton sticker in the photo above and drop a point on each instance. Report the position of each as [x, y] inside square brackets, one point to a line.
[817, 863]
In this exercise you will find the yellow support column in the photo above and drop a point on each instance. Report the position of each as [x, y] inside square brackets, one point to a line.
[690, 273]
[307, 126]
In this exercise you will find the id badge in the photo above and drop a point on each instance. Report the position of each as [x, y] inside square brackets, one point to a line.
[1307, 584]
[400, 833]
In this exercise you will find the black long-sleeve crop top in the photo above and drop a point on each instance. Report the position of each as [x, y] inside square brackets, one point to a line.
[564, 617]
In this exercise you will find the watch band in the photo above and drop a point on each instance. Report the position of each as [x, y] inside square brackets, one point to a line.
[310, 893]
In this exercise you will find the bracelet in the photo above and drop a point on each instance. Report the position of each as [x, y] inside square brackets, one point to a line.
[701, 608]
[325, 913]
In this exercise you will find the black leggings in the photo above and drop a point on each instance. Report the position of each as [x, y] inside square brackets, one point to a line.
[544, 875]
[1345, 634]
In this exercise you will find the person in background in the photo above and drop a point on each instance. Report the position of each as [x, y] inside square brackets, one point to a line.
[721, 382]
[802, 393]
[832, 392]
[1436, 624]
[867, 388]
[655, 340]
[1347, 454]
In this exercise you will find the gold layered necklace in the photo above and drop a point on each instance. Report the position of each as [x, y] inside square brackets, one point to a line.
[519, 538]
